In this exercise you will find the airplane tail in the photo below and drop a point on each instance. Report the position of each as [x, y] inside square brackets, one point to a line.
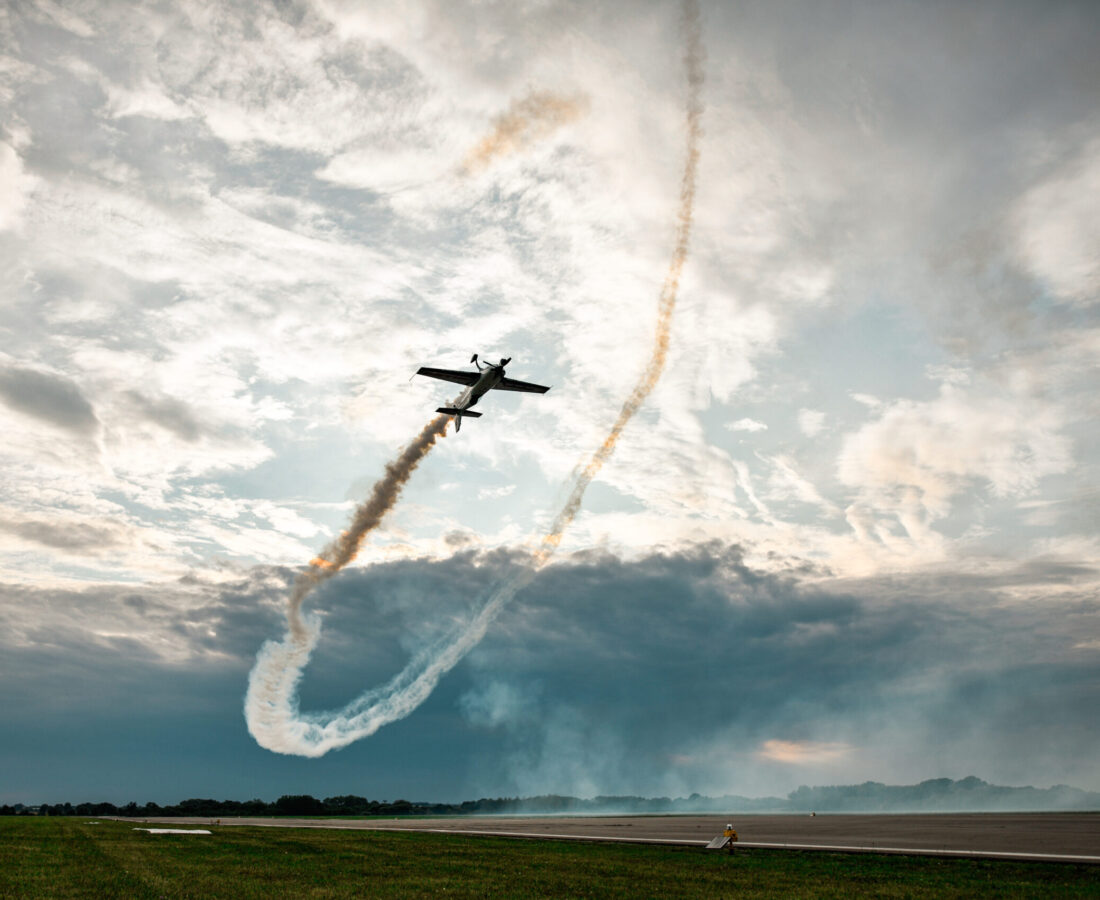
[458, 414]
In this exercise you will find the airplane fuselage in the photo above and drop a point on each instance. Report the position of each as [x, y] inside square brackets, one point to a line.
[490, 377]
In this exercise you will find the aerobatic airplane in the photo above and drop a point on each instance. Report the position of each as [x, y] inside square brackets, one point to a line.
[487, 377]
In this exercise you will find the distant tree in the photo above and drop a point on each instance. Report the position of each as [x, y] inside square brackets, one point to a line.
[96, 809]
[299, 805]
[196, 806]
[347, 805]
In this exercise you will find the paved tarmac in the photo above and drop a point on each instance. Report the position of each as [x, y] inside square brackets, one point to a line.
[1069, 837]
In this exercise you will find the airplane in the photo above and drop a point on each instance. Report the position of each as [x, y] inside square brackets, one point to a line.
[486, 378]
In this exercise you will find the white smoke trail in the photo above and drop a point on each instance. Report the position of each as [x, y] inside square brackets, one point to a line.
[271, 703]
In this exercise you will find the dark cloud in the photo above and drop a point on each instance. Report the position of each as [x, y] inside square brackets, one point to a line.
[659, 675]
[167, 412]
[674, 654]
[51, 398]
[73, 537]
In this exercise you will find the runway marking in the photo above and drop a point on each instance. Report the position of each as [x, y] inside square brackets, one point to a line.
[173, 830]
[842, 848]
[617, 839]
[925, 851]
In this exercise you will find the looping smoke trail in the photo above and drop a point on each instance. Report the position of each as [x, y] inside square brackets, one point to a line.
[273, 682]
[271, 704]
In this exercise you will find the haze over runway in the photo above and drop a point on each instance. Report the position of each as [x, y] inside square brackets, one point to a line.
[849, 527]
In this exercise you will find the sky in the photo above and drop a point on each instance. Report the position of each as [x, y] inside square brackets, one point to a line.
[851, 534]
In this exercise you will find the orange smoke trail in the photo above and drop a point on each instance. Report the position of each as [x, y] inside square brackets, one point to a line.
[535, 116]
[693, 60]
[366, 518]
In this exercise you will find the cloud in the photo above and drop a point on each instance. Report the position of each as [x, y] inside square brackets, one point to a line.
[695, 654]
[811, 421]
[88, 537]
[800, 753]
[48, 397]
[171, 414]
[747, 424]
[914, 458]
[606, 676]
[157, 624]
[868, 400]
[15, 184]
[1058, 236]
[55, 13]
[787, 482]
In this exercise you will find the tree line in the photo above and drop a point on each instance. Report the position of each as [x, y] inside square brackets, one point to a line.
[934, 795]
[287, 805]
[351, 805]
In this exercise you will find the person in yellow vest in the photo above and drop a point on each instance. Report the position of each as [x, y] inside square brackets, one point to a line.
[731, 834]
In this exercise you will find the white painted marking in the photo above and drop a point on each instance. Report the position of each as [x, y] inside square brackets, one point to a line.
[846, 848]
[174, 830]
[565, 837]
[874, 848]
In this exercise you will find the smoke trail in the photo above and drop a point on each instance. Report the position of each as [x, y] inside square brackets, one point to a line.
[535, 116]
[271, 704]
[279, 665]
[693, 62]
[366, 518]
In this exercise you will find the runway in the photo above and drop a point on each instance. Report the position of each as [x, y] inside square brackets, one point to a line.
[1051, 837]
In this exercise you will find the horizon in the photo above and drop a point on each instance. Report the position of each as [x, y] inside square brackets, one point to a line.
[602, 803]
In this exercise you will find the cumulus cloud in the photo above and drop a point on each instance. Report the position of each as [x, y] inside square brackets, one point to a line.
[914, 458]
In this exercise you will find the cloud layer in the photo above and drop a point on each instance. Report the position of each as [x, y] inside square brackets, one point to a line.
[667, 674]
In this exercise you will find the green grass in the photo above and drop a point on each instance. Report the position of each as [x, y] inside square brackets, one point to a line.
[61, 857]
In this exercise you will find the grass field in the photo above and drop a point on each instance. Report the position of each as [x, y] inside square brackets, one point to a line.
[63, 857]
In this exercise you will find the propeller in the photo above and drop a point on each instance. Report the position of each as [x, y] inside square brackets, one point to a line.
[501, 365]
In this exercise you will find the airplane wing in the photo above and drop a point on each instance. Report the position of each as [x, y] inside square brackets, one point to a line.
[511, 384]
[449, 375]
